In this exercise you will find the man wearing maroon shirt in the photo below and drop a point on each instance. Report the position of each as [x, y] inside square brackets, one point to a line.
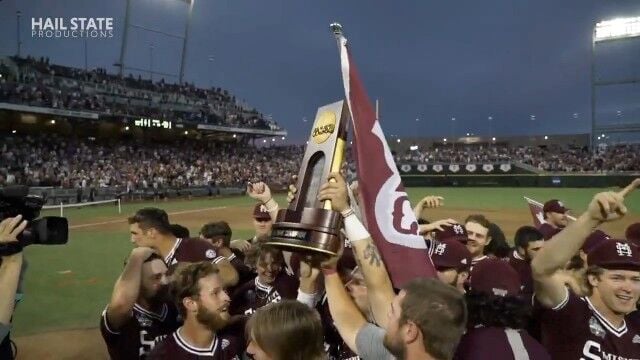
[452, 261]
[138, 313]
[596, 326]
[204, 306]
[528, 241]
[477, 227]
[497, 317]
[150, 227]
[218, 234]
[555, 217]
[272, 284]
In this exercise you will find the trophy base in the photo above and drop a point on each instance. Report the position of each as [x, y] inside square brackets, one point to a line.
[311, 231]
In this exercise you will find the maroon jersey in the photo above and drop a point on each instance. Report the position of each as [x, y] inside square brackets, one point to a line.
[253, 295]
[523, 268]
[548, 230]
[136, 338]
[493, 343]
[334, 346]
[576, 330]
[192, 250]
[476, 261]
[175, 347]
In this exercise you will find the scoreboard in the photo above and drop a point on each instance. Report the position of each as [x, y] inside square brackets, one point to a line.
[153, 123]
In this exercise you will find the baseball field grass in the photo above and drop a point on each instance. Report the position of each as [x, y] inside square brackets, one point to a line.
[66, 287]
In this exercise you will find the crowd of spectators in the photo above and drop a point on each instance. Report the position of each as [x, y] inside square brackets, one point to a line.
[612, 158]
[53, 160]
[39, 83]
[50, 160]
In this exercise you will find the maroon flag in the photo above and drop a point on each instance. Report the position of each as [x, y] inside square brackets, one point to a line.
[385, 206]
[536, 212]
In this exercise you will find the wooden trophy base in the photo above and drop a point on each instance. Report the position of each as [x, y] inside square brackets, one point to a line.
[312, 230]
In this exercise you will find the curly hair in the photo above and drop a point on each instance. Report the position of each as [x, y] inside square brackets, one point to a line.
[497, 311]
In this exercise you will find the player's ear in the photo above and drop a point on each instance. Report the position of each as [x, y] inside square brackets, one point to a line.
[489, 238]
[190, 304]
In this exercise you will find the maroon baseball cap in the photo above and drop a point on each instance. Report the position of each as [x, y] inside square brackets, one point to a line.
[554, 206]
[495, 277]
[615, 255]
[456, 232]
[260, 212]
[633, 234]
[596, 238]
[451, 254]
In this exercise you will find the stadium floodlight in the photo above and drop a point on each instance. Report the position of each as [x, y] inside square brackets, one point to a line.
[493, 139]
[621, 28]
[413, 147]
[126, 128]
[398, 141]
[13, 132]
[546, 137]
[445, 139]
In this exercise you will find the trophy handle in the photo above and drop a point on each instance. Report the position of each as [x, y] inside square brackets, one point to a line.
[336, 164]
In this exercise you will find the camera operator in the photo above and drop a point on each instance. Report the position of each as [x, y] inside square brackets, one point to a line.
[10, 268]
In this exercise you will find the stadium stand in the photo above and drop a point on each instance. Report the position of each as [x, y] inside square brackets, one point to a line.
[36, 82]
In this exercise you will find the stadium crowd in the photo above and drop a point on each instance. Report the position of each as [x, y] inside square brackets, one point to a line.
[39, 83]
[50, 160]
[612, 158]
[53, 160]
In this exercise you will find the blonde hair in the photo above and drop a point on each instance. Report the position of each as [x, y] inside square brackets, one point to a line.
[288, 330]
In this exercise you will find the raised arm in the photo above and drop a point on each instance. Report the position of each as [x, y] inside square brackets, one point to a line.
[345, 314]
[261, 192]
[550, 288]
[127, 288]
[380, 290]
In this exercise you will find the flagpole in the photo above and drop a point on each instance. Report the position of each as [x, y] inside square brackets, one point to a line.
[377, 110]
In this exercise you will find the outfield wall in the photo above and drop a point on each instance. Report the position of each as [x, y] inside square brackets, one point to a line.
[519, 180]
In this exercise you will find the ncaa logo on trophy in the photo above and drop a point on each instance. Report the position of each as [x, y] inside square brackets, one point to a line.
[308, 225]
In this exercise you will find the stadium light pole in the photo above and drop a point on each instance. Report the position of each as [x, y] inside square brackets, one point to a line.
[490, 118]
[18, 42]
[211, 60]
[604, 31]
[127, 24]
[186, 38]
[151, 61]
[123, 46]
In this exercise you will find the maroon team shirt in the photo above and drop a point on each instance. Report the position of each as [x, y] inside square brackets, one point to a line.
[175, 347]
[135, 338]
[192, 250]
[523, 268]
[493, 343]
[253, 295]
[576, 330]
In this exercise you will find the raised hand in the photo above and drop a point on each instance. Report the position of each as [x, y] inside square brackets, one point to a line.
[259, 191]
